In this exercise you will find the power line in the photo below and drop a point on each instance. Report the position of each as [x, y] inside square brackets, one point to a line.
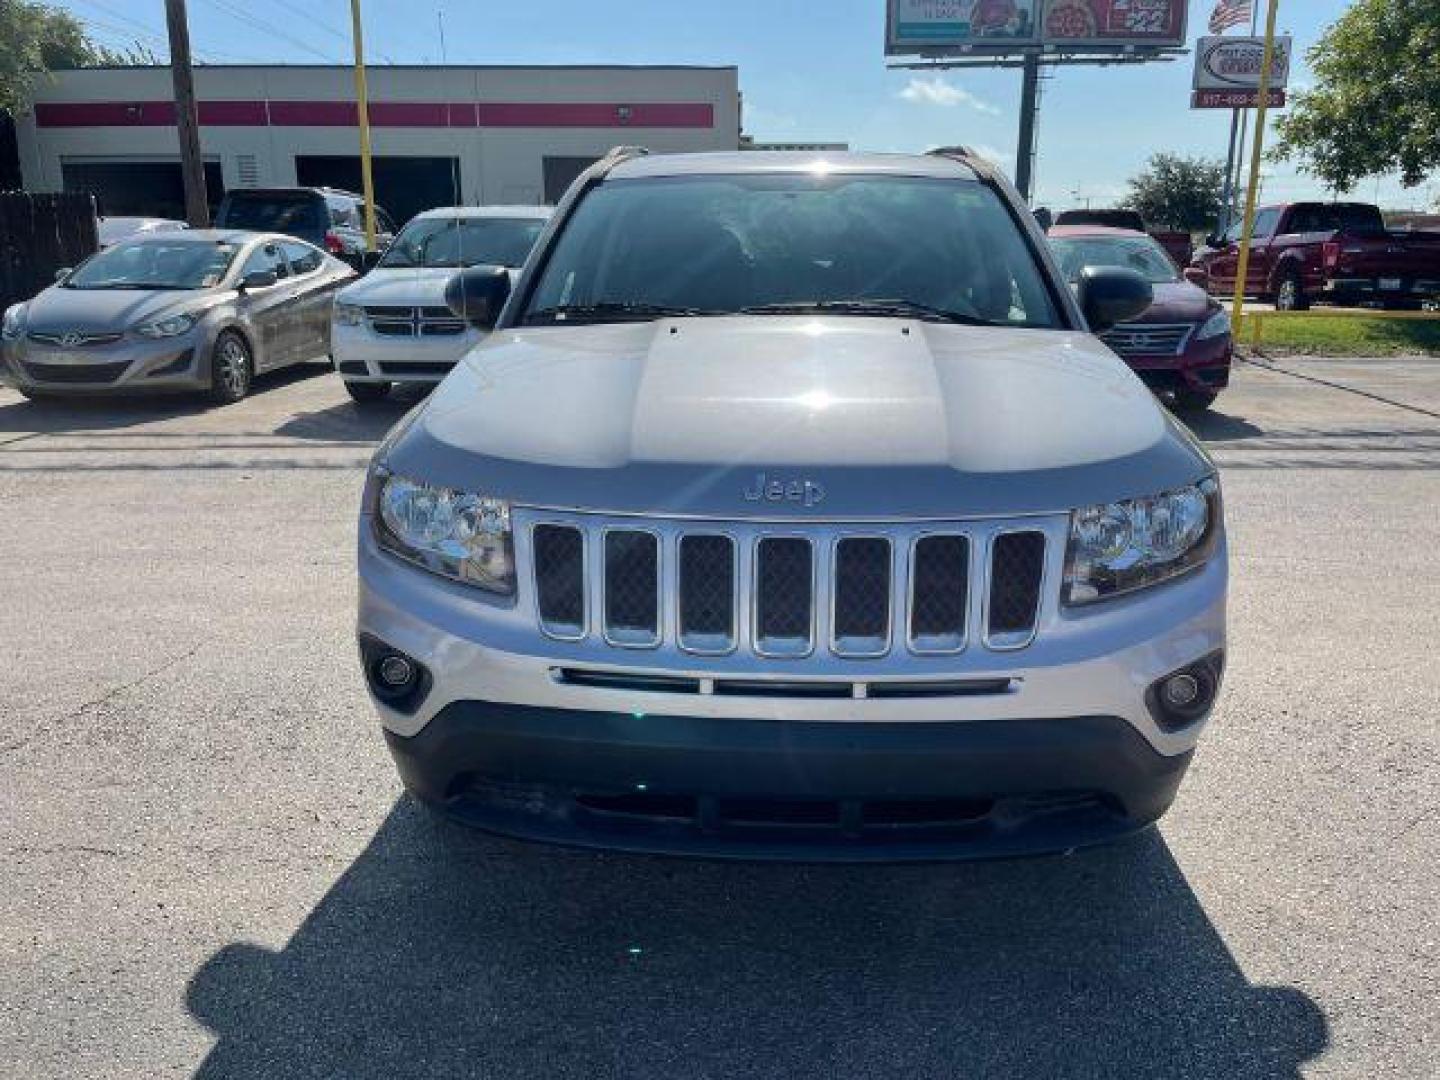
[329, 28]
[249, 20]
[136, 30]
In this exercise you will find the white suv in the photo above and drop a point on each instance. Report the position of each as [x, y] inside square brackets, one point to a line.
[792, 508]
[393, 326]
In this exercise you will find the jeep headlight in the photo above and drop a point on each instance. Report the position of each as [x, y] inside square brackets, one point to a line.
[168, 326]
[14, 322]
[1218, 323]
[1123, 546]
[457, 534]
[348, 314]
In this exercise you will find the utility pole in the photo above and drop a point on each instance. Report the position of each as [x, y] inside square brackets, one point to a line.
[1029, 108]
[187, 118]
[362, 115]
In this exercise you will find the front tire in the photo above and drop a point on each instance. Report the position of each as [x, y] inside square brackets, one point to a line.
[1290, 292]
[232, 369]
[1194, 401]
[366, 393]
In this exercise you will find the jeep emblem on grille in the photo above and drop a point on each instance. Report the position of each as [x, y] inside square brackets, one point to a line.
[769, 489]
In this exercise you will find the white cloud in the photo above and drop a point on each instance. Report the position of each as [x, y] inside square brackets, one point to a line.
[935, 90]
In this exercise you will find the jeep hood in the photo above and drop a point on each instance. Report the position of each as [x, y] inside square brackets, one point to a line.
[889, 417]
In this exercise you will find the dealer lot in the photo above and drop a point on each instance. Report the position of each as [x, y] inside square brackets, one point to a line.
[210, 869]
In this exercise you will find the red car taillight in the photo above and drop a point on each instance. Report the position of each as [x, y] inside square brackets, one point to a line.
[333, 244]
[1330, 253]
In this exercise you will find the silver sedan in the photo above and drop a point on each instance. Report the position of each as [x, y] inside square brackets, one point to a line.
[207, 309]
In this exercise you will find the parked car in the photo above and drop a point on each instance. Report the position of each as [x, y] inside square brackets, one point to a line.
[793, 509]
[393, 326]
[1340, 253]
[327, 217]
[1177, 243]
[111, 230]
[1181, 345]
[203, 309]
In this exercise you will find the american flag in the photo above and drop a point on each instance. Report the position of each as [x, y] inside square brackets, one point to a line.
[1229, 13]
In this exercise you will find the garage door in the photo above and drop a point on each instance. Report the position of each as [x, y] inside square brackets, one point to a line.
[139, 188]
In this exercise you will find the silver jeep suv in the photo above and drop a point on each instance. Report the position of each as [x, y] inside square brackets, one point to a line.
[792, 509]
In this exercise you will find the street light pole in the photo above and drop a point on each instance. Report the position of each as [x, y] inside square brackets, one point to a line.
[187, 120]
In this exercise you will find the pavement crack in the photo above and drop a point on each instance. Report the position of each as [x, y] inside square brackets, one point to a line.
[109, 695]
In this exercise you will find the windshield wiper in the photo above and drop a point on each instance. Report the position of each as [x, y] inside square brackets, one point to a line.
[612, 311]
[879, 308]
[133, 286]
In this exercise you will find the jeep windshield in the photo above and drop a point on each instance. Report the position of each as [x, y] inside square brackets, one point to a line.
[873, 245]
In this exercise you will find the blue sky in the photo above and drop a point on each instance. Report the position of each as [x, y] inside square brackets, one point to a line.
[808, 70]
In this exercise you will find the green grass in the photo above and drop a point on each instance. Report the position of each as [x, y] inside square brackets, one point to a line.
[1317, 333]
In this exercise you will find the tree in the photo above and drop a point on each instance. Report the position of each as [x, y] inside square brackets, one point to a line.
[38, 39]
[1375, 107]
[1174, 192]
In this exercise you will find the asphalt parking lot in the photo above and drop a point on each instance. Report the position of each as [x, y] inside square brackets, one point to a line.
[209, 869]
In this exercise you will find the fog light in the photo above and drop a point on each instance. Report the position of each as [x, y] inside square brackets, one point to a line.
[396, 671]
[400, 681]
[1180, 691]
[1186, 696]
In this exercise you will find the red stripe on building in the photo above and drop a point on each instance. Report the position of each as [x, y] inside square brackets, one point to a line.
[394, 114]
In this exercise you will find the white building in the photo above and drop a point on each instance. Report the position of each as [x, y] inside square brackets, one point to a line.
[440, 135]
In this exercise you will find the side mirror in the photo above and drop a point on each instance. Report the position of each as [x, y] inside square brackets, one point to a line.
[478, 294]
[1112, 294]
[1196, 276]
[258, 279]
[63, 273]
[369, 259]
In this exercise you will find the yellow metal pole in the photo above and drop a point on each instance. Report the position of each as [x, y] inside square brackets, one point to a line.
[362, 112]
[1242, 268]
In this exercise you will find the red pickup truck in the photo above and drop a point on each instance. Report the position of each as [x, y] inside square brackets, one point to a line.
[1176, 244]
[1337, 252]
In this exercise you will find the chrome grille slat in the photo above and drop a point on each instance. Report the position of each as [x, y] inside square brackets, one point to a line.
[708, 576]
[939, 593]
[1017, 561]
[861, 596]
[784, 605]
[1148, 339]
[788, 591]
[632, 588]
[400, 321]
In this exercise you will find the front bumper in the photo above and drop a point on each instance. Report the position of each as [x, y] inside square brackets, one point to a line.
[760, 788]
[128, 365]
[1203, 366]
[1067, 753]
[361, 355]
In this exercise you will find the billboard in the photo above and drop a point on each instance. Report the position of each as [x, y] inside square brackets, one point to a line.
[1227, 72]
[940, 27]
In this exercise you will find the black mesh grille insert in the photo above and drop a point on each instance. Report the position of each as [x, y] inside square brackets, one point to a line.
[75, 373]
[940, 587]
[632, 565]
[783, 588]
[560, 576]
[707, 588]
[1016, 563]
[862, 588]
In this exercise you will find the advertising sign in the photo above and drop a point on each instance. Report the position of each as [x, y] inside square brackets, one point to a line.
[936, 27]
[1227, 72]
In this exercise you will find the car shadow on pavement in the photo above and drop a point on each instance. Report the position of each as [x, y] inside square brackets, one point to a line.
[1214, 426]
[352, 422]
[51, 416]
[442, 952]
